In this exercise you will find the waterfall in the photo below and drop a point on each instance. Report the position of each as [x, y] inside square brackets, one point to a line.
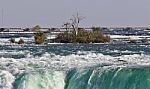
[40, 80]
[119, 78]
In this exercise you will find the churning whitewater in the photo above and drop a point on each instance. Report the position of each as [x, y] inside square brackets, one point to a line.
[75, 66]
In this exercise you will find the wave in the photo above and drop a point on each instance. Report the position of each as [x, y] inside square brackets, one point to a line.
[40, 80]
[6, 80]
[79, 60]
[118, 78]
[89, 78]
[88, 65]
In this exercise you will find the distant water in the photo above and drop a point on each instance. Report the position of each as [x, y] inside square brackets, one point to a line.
[75, 66]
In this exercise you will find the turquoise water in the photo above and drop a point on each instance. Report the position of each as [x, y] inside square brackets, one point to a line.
[119, 78]
[75, 66]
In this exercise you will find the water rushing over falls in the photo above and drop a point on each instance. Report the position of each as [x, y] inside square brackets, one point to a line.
[75, 66]
[105, 78]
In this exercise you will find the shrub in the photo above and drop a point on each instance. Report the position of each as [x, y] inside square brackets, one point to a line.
[39, 36]
[83, 36]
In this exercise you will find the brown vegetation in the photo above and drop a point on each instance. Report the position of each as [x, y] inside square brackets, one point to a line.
[39, 36]
[83, 36]
[80, 35]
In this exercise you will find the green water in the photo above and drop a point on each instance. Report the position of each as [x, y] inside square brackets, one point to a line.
[75, 66]
[40, 80]
[101, 78]
[119, 78]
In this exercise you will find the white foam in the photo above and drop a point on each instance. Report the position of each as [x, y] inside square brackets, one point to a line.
[6, 80]
[50, 61]
[42, 80]
[81, 59]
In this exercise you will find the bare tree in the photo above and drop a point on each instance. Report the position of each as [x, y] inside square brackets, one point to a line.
[67, 26]
[75, 20]
[74, 23]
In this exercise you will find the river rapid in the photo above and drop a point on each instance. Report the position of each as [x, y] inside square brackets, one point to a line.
[75, 66]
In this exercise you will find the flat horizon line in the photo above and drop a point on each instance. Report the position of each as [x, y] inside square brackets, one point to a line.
[79, 27]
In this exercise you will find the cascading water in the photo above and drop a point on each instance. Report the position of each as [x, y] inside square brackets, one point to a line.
[40, 80]
[75, 66]
[118, 78]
